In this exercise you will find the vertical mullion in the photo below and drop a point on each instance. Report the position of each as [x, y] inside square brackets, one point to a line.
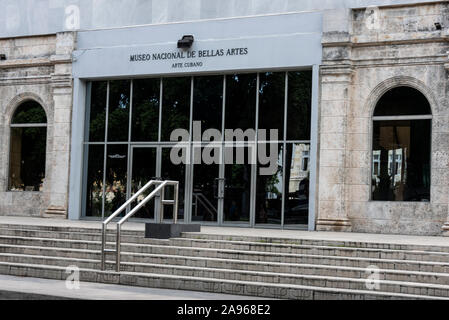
[188, 192]
[86, 147]
[159, 133]
[313, 148]
[128, 169]
[105, 149]
[254, 165]
[221, 167]
[284, 151]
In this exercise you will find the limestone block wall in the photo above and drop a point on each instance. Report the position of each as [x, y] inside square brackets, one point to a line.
[38, 68]
[360, 65]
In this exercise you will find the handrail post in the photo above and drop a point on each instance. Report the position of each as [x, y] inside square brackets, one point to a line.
[103, 246]
[175, 202]
[117, 262]
[161, 205]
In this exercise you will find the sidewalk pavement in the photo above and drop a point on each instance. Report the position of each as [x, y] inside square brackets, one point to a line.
[24, 288]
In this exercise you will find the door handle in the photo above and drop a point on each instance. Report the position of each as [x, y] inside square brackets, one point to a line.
[219, 188]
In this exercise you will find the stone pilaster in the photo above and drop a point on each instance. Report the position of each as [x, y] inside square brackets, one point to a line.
[62, 99]
[445, 162]
[335, 82]
[335, 92]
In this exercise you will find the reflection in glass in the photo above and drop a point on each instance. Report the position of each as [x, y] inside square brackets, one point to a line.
[269, 187]
[29, 112]
[145, 114]
[116, 175]
[299, 105]
[97, 116]
[297, 175]
[401, 160]
[205, 192]
[143, 170]
[271, 103]
[175, 105]
[237, 186]
[118, 113]
[241, 101]
[208, 101]
[27, 158]
[94, 180]
[170, 171]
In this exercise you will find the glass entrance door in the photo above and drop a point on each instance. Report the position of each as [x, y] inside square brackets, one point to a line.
[237, 187]
[205, 191]
[143, 169]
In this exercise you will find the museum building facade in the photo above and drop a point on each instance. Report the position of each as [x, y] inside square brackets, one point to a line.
[356, 97]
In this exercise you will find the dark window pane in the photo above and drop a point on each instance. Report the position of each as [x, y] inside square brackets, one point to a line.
[118, 118]
[145, 115]
[29, 112]
[241, 101]
[296, 183]
[27, 158]
[269, 186]
[94, 180]
[97, 114]
[401, 101]
[116, 175]
[271, 103]
[175, 105]
[403, 150]
[299, 105]
[208, 101]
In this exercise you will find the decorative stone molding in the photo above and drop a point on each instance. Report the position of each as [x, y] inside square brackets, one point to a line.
[336, 224]
[55, 212]
[445, 229]
[398, 81]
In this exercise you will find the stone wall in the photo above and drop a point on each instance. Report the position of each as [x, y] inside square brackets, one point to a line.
[363, 59]
[38, 68]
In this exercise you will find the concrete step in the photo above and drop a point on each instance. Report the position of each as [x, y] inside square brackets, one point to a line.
[94, 229]
[90, 235]
[137, 236]
[388, 280]
[315, 265]
[332, 249]
[237, 254]
[239, 245]
[262, 289]
[319, 242]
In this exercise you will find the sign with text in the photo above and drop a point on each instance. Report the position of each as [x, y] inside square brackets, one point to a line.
[187, 59]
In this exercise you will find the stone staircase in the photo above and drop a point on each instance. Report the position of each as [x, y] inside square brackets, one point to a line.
[239, 265]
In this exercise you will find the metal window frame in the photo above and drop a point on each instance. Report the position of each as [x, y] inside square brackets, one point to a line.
[190, 167]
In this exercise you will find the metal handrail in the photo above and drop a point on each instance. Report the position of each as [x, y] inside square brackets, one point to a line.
[161, 187]
[201, 198]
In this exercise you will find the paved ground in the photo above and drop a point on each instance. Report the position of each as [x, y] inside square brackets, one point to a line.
[31, 288]
[234, 231]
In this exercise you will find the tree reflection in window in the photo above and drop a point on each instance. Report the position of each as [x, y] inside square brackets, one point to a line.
[401, 146]
[28, 148]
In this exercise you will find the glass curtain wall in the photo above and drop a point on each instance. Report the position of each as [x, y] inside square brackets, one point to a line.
[128, 129]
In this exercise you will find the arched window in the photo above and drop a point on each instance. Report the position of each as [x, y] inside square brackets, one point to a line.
[401, 146]
[28, 147]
